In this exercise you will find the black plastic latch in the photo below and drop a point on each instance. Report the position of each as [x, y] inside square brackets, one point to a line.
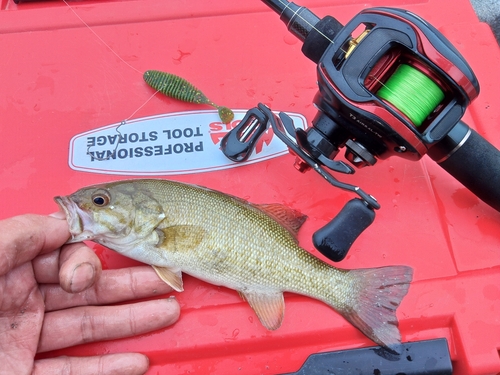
[417, 358]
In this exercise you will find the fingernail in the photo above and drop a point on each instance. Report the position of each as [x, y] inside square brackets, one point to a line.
[82, 278]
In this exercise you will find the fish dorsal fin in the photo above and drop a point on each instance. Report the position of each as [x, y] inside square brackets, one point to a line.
[178, 238]
[287, 217]
[291, 219]
[171, 276]
[269, 307]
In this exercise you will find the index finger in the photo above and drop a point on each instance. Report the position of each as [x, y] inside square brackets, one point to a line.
[24, 237]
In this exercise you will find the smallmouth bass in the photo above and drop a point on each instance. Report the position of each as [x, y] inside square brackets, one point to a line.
[224, 240]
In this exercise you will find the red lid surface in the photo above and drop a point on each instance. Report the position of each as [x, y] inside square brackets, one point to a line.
[64, 91]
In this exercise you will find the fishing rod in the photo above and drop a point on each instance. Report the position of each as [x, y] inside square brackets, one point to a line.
[397, 88]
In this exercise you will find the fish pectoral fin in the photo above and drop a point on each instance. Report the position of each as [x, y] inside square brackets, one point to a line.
[269, 307]
[171, 276]
[180, 237]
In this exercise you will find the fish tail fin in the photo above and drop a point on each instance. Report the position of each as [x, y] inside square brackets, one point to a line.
[373, 308]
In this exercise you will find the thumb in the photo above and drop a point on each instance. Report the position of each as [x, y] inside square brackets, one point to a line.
[79, 268]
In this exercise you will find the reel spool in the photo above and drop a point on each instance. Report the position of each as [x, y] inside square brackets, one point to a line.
[413, 93]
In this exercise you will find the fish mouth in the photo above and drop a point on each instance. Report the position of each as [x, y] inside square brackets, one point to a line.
[77, 220]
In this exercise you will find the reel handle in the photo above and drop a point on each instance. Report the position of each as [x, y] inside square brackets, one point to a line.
[335, 238]
[239, 143]
[472, 160]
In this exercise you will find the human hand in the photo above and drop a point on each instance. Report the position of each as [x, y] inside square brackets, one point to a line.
[49, 297]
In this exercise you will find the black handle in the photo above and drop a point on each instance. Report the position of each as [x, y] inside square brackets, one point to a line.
[299, 20]
[335, 238]
[472, 160]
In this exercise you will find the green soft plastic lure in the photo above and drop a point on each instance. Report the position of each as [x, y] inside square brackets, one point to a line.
[178, 88]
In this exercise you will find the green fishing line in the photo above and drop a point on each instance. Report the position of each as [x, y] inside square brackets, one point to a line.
[412, 92]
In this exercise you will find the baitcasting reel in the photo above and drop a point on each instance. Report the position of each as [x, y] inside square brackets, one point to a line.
[397, 88]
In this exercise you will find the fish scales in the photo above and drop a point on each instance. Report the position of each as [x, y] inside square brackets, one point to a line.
[285, 270]
[224, 240]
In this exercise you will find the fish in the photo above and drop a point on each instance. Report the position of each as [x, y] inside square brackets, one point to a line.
[179, 88]
[226, 241]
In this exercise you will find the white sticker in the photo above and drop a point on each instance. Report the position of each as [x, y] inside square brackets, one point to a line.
[168, 144]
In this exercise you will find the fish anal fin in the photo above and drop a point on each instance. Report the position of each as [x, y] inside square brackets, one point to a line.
[269, 307]
[291, 219]
[178, 238]
[171, 277]
[373, 311]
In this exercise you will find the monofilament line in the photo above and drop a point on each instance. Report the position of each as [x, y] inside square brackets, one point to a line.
[123, 122]
[100, 39]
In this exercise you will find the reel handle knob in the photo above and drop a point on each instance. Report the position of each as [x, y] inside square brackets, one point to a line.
[335, 239]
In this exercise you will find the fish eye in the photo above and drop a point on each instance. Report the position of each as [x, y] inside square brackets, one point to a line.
[100, 198]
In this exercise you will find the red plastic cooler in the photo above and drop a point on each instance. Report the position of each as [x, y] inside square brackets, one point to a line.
[66, 87]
